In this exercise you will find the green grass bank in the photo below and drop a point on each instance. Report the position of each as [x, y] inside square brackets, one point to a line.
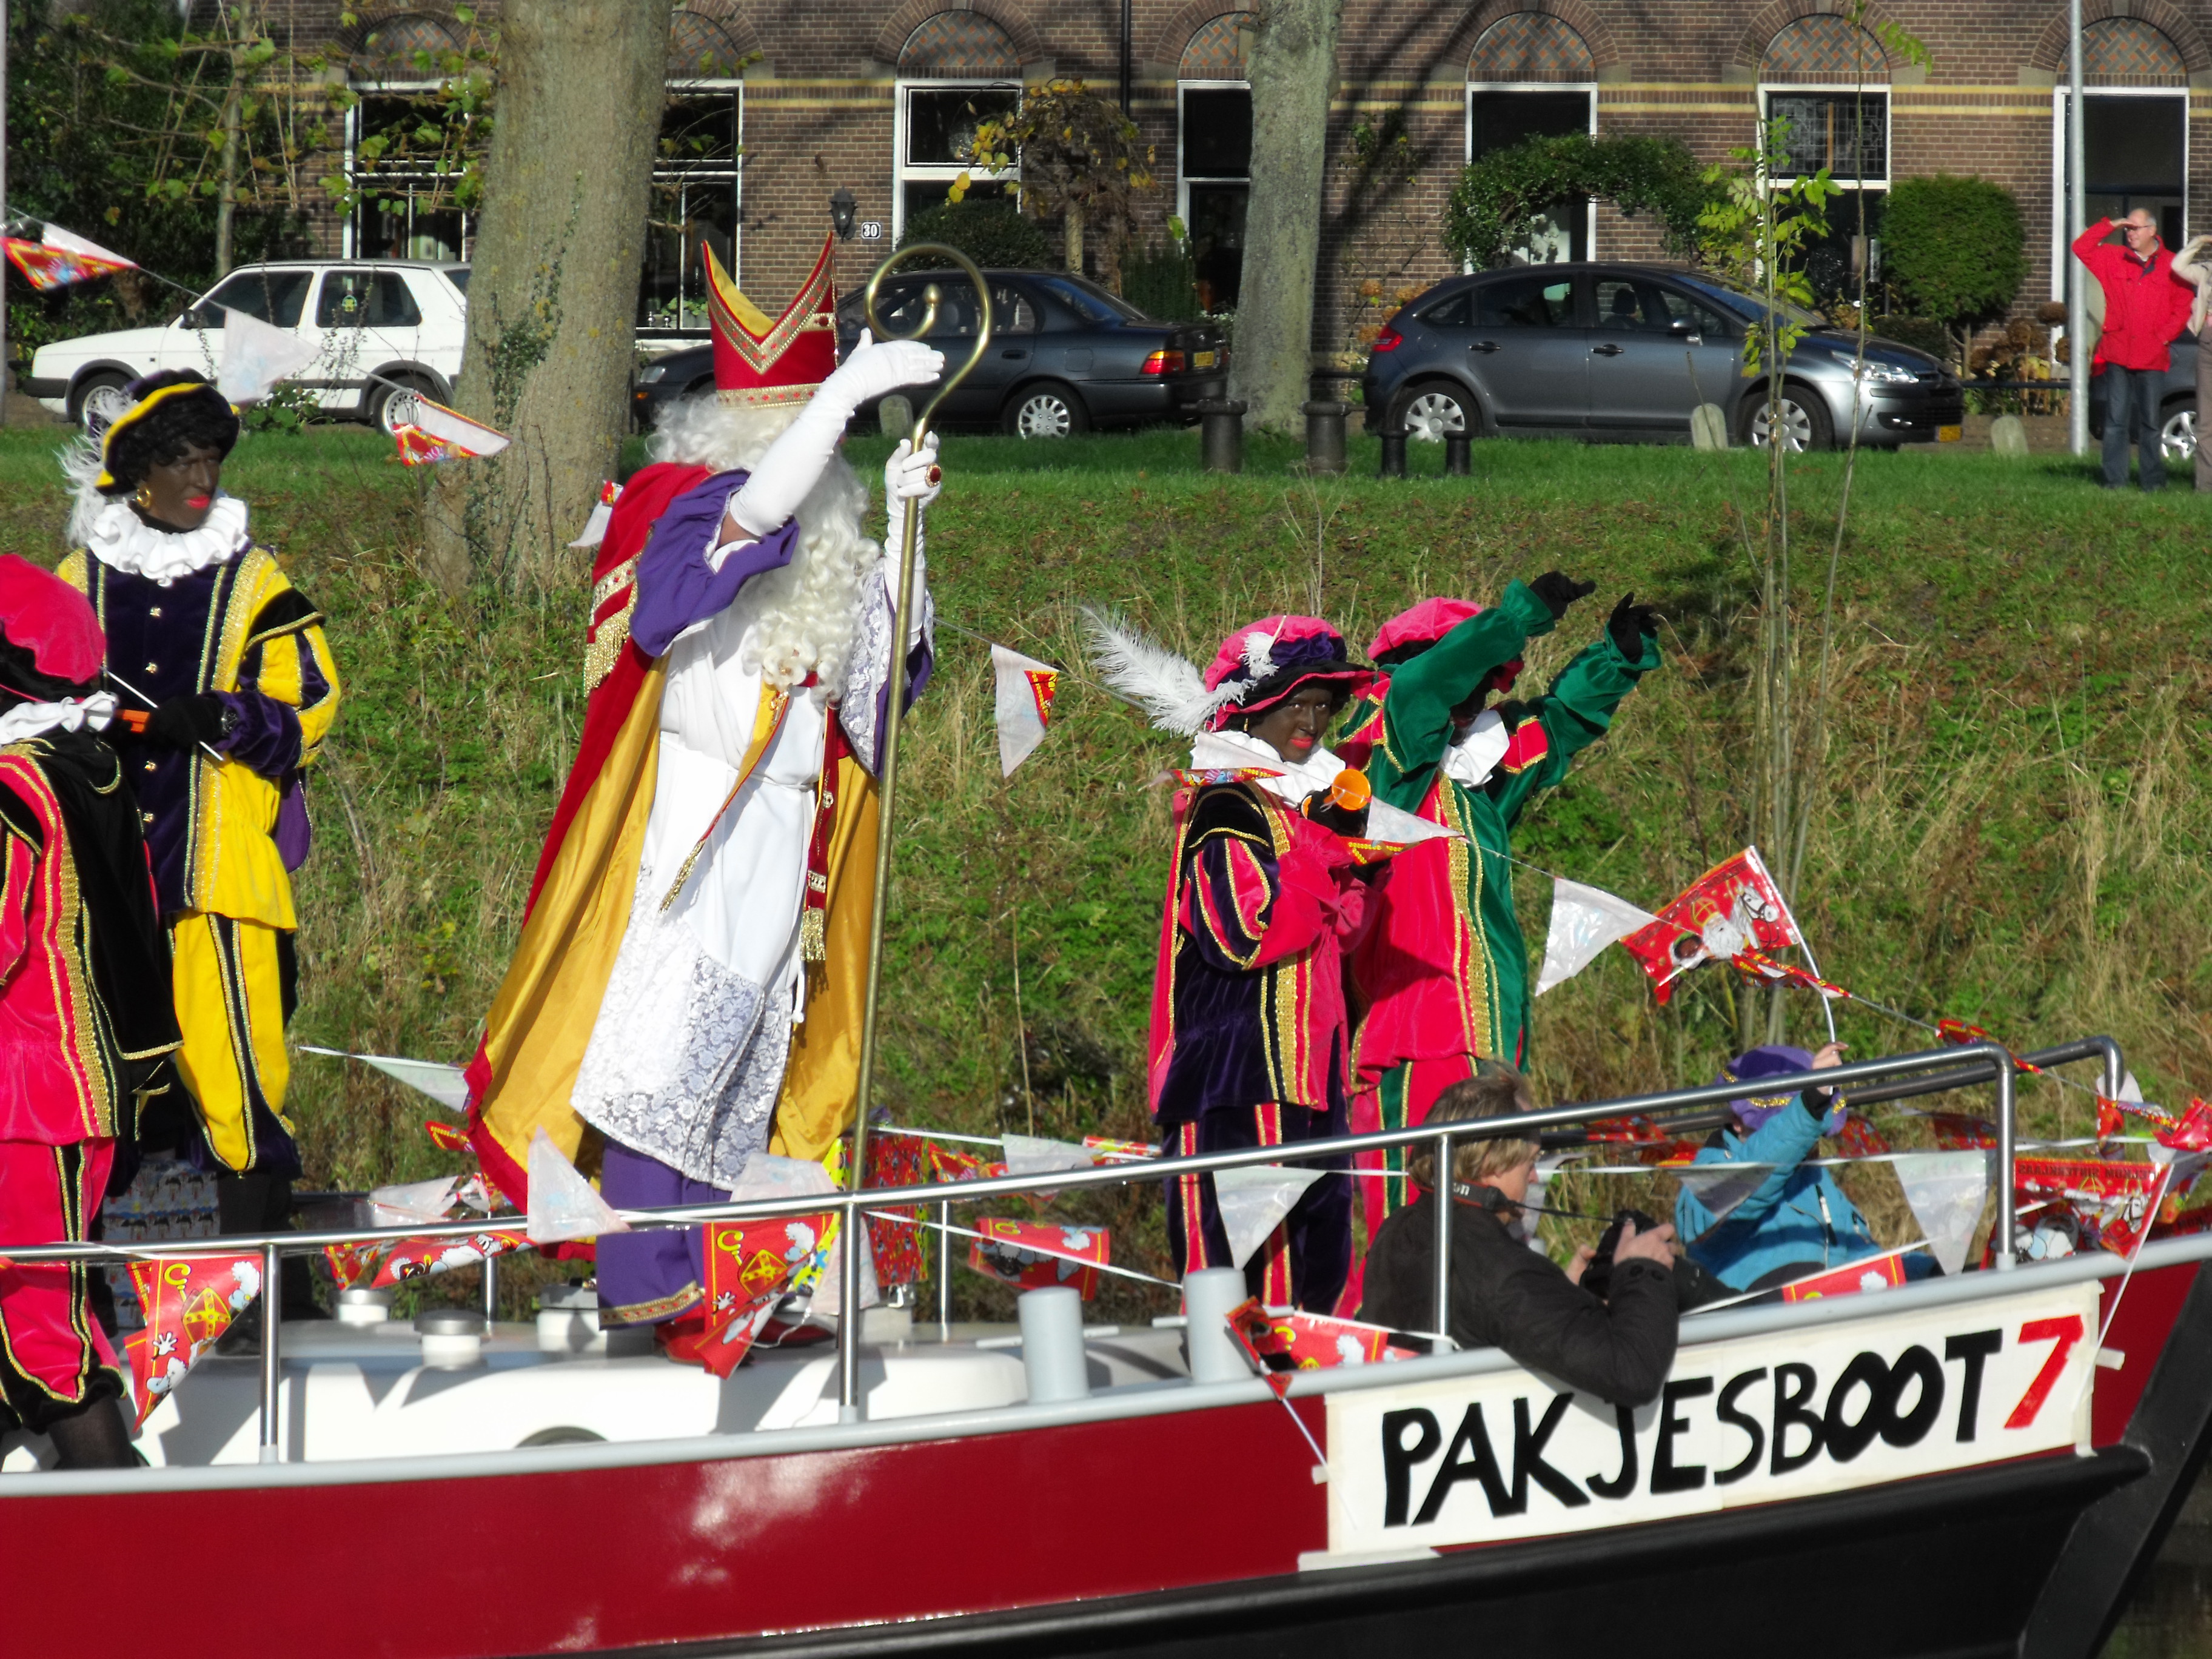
[2011, 828]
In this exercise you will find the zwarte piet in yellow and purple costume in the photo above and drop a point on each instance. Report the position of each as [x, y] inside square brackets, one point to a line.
[87, 1028]
[226, 666]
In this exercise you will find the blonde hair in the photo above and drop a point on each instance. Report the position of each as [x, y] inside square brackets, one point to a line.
[1500, 1093]
[809, 608]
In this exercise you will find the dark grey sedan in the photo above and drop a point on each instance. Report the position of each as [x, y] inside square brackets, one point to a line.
[1628, 352]
[1065, 356]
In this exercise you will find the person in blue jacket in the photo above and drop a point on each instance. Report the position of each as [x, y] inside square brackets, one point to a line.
[1798, 1221]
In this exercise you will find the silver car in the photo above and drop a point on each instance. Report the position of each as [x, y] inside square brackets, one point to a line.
[1621, 352]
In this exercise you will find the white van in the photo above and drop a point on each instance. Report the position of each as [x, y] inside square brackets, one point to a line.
[377, 326]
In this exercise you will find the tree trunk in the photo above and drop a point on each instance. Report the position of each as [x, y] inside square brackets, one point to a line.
[553, 293]
[226, 209]
[1072, 227]
[1293, 76]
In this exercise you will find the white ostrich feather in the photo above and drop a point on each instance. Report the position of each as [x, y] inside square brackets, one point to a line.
[81, 464]
[1167, 687]
[1258, 659]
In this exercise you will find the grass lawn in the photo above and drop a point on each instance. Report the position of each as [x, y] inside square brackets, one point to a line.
[2013, 828]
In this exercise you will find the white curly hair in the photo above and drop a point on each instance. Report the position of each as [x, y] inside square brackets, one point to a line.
[809, 608]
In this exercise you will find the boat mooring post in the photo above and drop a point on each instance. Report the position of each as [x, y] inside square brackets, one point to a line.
[273, 1359]
[1440, 1186]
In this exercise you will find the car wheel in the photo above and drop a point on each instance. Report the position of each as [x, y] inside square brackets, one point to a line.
[98, 398]
[1050, 410]
[1800, 416]
[1434, 413]
[395, 405]
[2177, 438]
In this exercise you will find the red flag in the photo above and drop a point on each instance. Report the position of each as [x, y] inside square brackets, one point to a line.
[189, 1301]
[1033, 1254]
[416, 1257]
[1860, 1139]
[1281, 1345]
[60, 259]
[1732, 908]
[1876, 1273]
[2110, 1202]
[897, 1161]
[350, 1262]
[750, 1265]
[446, 1137]
[1956, 1133]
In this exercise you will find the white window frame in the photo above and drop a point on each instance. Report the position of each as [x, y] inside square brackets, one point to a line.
[1869, 90]
[2061, 248]
[934, 172]
[736, 172]
[349, 230]
[1588, 88]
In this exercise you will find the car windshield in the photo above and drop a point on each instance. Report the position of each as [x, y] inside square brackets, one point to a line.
[1090, 301]
[1751, 308]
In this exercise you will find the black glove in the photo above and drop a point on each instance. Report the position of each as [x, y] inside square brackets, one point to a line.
[1320, 809]
[1631, 624]
[183, 722]
[1559, 589]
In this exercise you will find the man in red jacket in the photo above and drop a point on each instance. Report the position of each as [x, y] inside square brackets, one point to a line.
[2145, 306]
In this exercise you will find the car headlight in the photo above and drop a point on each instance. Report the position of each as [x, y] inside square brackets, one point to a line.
[651, 373]
[1873, 369]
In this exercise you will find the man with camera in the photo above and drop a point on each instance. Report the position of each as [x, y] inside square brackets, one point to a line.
[1504, 1294]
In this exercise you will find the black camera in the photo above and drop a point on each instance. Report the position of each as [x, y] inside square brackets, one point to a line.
[1597, 1277]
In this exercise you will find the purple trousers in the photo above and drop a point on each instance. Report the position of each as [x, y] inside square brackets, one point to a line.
[647, 1277]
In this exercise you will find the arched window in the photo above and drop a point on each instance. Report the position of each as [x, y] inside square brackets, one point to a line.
[958, 69]
[1531, 75]
[2135, 130]
[1828, 78]
[1213, 153]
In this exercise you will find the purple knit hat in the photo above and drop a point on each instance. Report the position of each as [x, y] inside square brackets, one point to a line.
[1776, 1060]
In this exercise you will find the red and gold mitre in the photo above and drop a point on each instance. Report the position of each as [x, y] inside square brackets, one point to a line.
[760, 363]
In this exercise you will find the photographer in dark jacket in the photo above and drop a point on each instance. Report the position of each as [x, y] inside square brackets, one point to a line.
[1505, 1295]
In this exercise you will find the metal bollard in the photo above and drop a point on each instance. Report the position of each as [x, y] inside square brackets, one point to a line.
[1458, 448]
[1208, 1294]
[1325, 436]
[490, 1291]
[1052, 1356]
[1394, 451]
[1221, 434]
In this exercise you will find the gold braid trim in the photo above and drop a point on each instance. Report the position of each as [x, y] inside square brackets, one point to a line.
[607, 642]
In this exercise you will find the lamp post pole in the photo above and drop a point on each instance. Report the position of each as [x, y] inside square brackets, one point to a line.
[2077, 220]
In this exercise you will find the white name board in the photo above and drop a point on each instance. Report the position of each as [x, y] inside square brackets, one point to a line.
[1790, 1415]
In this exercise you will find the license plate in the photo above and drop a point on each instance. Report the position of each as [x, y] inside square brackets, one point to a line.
[1201, 360]
[1947, 435]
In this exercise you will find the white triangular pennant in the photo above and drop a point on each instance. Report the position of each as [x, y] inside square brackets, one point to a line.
[444, 1084]
[1946, 1191]
[70, 242]
[1022, 701]
[1034, 1155]
[412, 1204]
[562, 1204]
[1254, 1201]
[1386, 823]
[255, 356]
[1584, 920]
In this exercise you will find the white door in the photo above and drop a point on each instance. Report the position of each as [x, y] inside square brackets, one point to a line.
[370, 325]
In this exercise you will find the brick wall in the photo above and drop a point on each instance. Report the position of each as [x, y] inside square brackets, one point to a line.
[818, 110]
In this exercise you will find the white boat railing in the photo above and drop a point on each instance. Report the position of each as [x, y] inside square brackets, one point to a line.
[1930, 1071]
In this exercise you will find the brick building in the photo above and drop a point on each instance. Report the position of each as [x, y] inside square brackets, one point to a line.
[777, 104]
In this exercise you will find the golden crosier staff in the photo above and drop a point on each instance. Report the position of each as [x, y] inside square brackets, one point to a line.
[889, 775]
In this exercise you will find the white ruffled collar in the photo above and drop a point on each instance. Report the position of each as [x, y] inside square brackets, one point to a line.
[1224, 749]
[123, 541]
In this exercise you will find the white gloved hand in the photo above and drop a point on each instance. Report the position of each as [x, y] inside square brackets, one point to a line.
[907, 478]
[795, 461]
